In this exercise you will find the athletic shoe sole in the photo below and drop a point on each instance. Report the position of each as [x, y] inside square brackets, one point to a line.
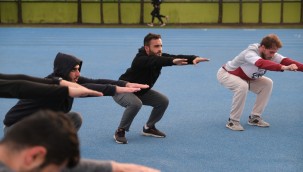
[153, 135]
[229, 127]
[119, 141]
[254, 124]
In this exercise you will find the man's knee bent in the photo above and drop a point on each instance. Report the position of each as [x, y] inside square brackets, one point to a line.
[242, 87]
[269, 82]
[135, 105]
[164, 101]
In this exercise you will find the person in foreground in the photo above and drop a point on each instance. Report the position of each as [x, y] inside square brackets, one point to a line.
[246, 73]
[145, 69]
[67, 67]
[32, 145]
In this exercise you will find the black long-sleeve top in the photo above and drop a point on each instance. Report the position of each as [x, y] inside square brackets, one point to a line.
[146, 69]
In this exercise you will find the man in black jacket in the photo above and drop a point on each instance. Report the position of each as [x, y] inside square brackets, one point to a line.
[145, 69]
[67, 67]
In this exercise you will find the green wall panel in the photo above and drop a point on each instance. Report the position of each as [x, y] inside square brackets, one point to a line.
[8, 12]
[147, 10]
[48, 12]
[292, 12]
[271, 13]
[110, 11]
[130, 13]
[230, 13]
[91, 13]
[250, 12]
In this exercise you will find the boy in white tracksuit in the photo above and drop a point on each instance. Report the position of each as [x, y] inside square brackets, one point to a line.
[245, 73]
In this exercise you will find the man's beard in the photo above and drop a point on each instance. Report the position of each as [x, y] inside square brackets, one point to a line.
[159, 53]
[263, 56]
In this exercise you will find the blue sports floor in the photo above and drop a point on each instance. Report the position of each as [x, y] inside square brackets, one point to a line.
[194, 122]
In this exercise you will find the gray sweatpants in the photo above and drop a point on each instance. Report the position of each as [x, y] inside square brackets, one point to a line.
[133, 104]
[262, 87]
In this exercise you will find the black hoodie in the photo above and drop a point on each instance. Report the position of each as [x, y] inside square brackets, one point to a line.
[63, 64]
[146, 69]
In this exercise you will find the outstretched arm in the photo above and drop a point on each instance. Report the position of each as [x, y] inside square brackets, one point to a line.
[28, 78]
[83, 92]
[76, 90]
[111, 90]
[31, 90]
[136, 85]
[126, 89]
[28, 87]
[292, 67]
[289, 61]
[126, 167]
[90, 165]
[179, 61]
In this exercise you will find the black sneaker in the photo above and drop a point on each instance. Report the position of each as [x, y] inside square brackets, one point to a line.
[152, 131]
[120, 136]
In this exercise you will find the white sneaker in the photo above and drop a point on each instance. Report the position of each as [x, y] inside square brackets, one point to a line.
[234, 125]
[150, 24]
[257, 121]
[163, 24]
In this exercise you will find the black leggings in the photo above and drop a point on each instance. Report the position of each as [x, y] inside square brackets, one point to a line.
[156, 13]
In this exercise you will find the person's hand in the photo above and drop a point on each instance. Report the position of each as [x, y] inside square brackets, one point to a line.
[180, 61]
[136, 85]
[292, 67]
[76, 90]
[83, 92]
[126, 167]
[200, 59]
[126, 89]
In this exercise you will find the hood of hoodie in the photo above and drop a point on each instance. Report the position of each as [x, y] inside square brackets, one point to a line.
[254, 47]
[63, 64]
[142, 50]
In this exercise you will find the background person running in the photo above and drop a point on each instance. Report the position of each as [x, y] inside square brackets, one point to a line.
[156, 13]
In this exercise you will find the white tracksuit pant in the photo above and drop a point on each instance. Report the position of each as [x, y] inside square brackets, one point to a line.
[262, 87]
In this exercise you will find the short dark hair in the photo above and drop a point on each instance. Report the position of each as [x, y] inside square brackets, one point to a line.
[271, 41]
[52, 130]
[150, 37]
